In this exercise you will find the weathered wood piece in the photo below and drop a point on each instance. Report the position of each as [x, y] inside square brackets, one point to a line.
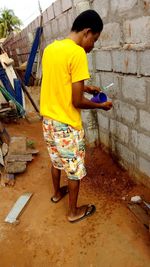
[17, 208]
[13, 158]
[140, 213]
[4, 110]
[4, 149]
[1, 158]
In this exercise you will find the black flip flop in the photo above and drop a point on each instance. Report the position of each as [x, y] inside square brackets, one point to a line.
[86, 214]
[64, 192]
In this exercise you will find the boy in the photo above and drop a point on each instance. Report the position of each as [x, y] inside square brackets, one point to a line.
[62, 96]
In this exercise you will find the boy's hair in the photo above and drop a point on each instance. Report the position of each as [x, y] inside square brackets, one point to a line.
[88, 19]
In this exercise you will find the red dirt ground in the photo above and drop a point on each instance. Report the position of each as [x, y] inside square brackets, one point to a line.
[112, 237]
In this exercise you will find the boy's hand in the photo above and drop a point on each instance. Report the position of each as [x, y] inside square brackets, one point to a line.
[90, 89]
[106, 105]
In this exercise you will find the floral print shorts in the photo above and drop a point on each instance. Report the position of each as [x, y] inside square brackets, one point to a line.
[66, 147]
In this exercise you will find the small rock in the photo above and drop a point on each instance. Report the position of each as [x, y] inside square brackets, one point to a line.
[136, 199]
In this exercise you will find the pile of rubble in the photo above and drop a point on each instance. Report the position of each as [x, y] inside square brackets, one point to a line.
[15, 152]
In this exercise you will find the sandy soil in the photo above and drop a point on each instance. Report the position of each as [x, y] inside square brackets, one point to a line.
[112, 237]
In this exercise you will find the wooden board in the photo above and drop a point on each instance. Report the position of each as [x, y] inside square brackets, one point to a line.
[17, 208]
[12, 158]
[140, 213]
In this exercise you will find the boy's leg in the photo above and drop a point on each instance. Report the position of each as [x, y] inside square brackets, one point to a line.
[73, 186]
[75, 213]
[59, 192]
[56, 173]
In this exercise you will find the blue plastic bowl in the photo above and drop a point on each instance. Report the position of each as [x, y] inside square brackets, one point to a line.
[99, 98]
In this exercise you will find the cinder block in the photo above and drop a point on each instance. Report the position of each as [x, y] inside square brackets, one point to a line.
[125, 112]
[45, 17]
[37, 21]
[103, 60]
[92, 137]
[120, 131]
[33, 26]
[75, 2]
[90, 61]
[29, 28]
[54, 24]
[144, 57]
[102, 7]
[134, 138]
[111, 35]
[104, 138]
[97, 79]
[23, 34]
[122, 6]
[57, 8]
[125, 154]
[134, 89]
[103, 121]
[145, 120]
[144, 144]
[66, 4]
[71, 17]
[144, 166]
[62, 23]
[124, 61]
[50, 12]
[47, 31]
[89, 118]
[82, 6]
[108, 78]
[141, 142]
[137, 30]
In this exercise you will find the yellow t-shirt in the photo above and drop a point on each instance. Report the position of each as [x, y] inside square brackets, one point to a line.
[64, 62]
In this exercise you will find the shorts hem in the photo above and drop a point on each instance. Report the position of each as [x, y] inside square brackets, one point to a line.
[77, 179]
[59, 168]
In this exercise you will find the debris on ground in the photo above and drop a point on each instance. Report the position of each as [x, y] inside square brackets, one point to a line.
[103, 176]
[13, 215]
[136, 199]
[141, 209]
[13, 89]
[15, 153]
[8, 112]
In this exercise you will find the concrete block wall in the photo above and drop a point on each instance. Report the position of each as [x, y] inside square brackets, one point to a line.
[121, 55]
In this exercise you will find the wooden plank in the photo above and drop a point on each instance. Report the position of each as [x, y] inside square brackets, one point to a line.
[12, 158]
[7, 65]
[2, 98]
[1, 158]
[4, 109]
[32, 151]
[140, 213]
[17, 208]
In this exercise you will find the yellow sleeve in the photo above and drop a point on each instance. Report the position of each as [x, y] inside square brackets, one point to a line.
[79, 66]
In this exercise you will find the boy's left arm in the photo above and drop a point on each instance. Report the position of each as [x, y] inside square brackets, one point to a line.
[90, 89]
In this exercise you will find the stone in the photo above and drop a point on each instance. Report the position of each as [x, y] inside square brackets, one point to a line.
[17, 145]
[15, 167]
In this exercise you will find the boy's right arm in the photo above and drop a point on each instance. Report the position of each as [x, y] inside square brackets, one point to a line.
[79, 101]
